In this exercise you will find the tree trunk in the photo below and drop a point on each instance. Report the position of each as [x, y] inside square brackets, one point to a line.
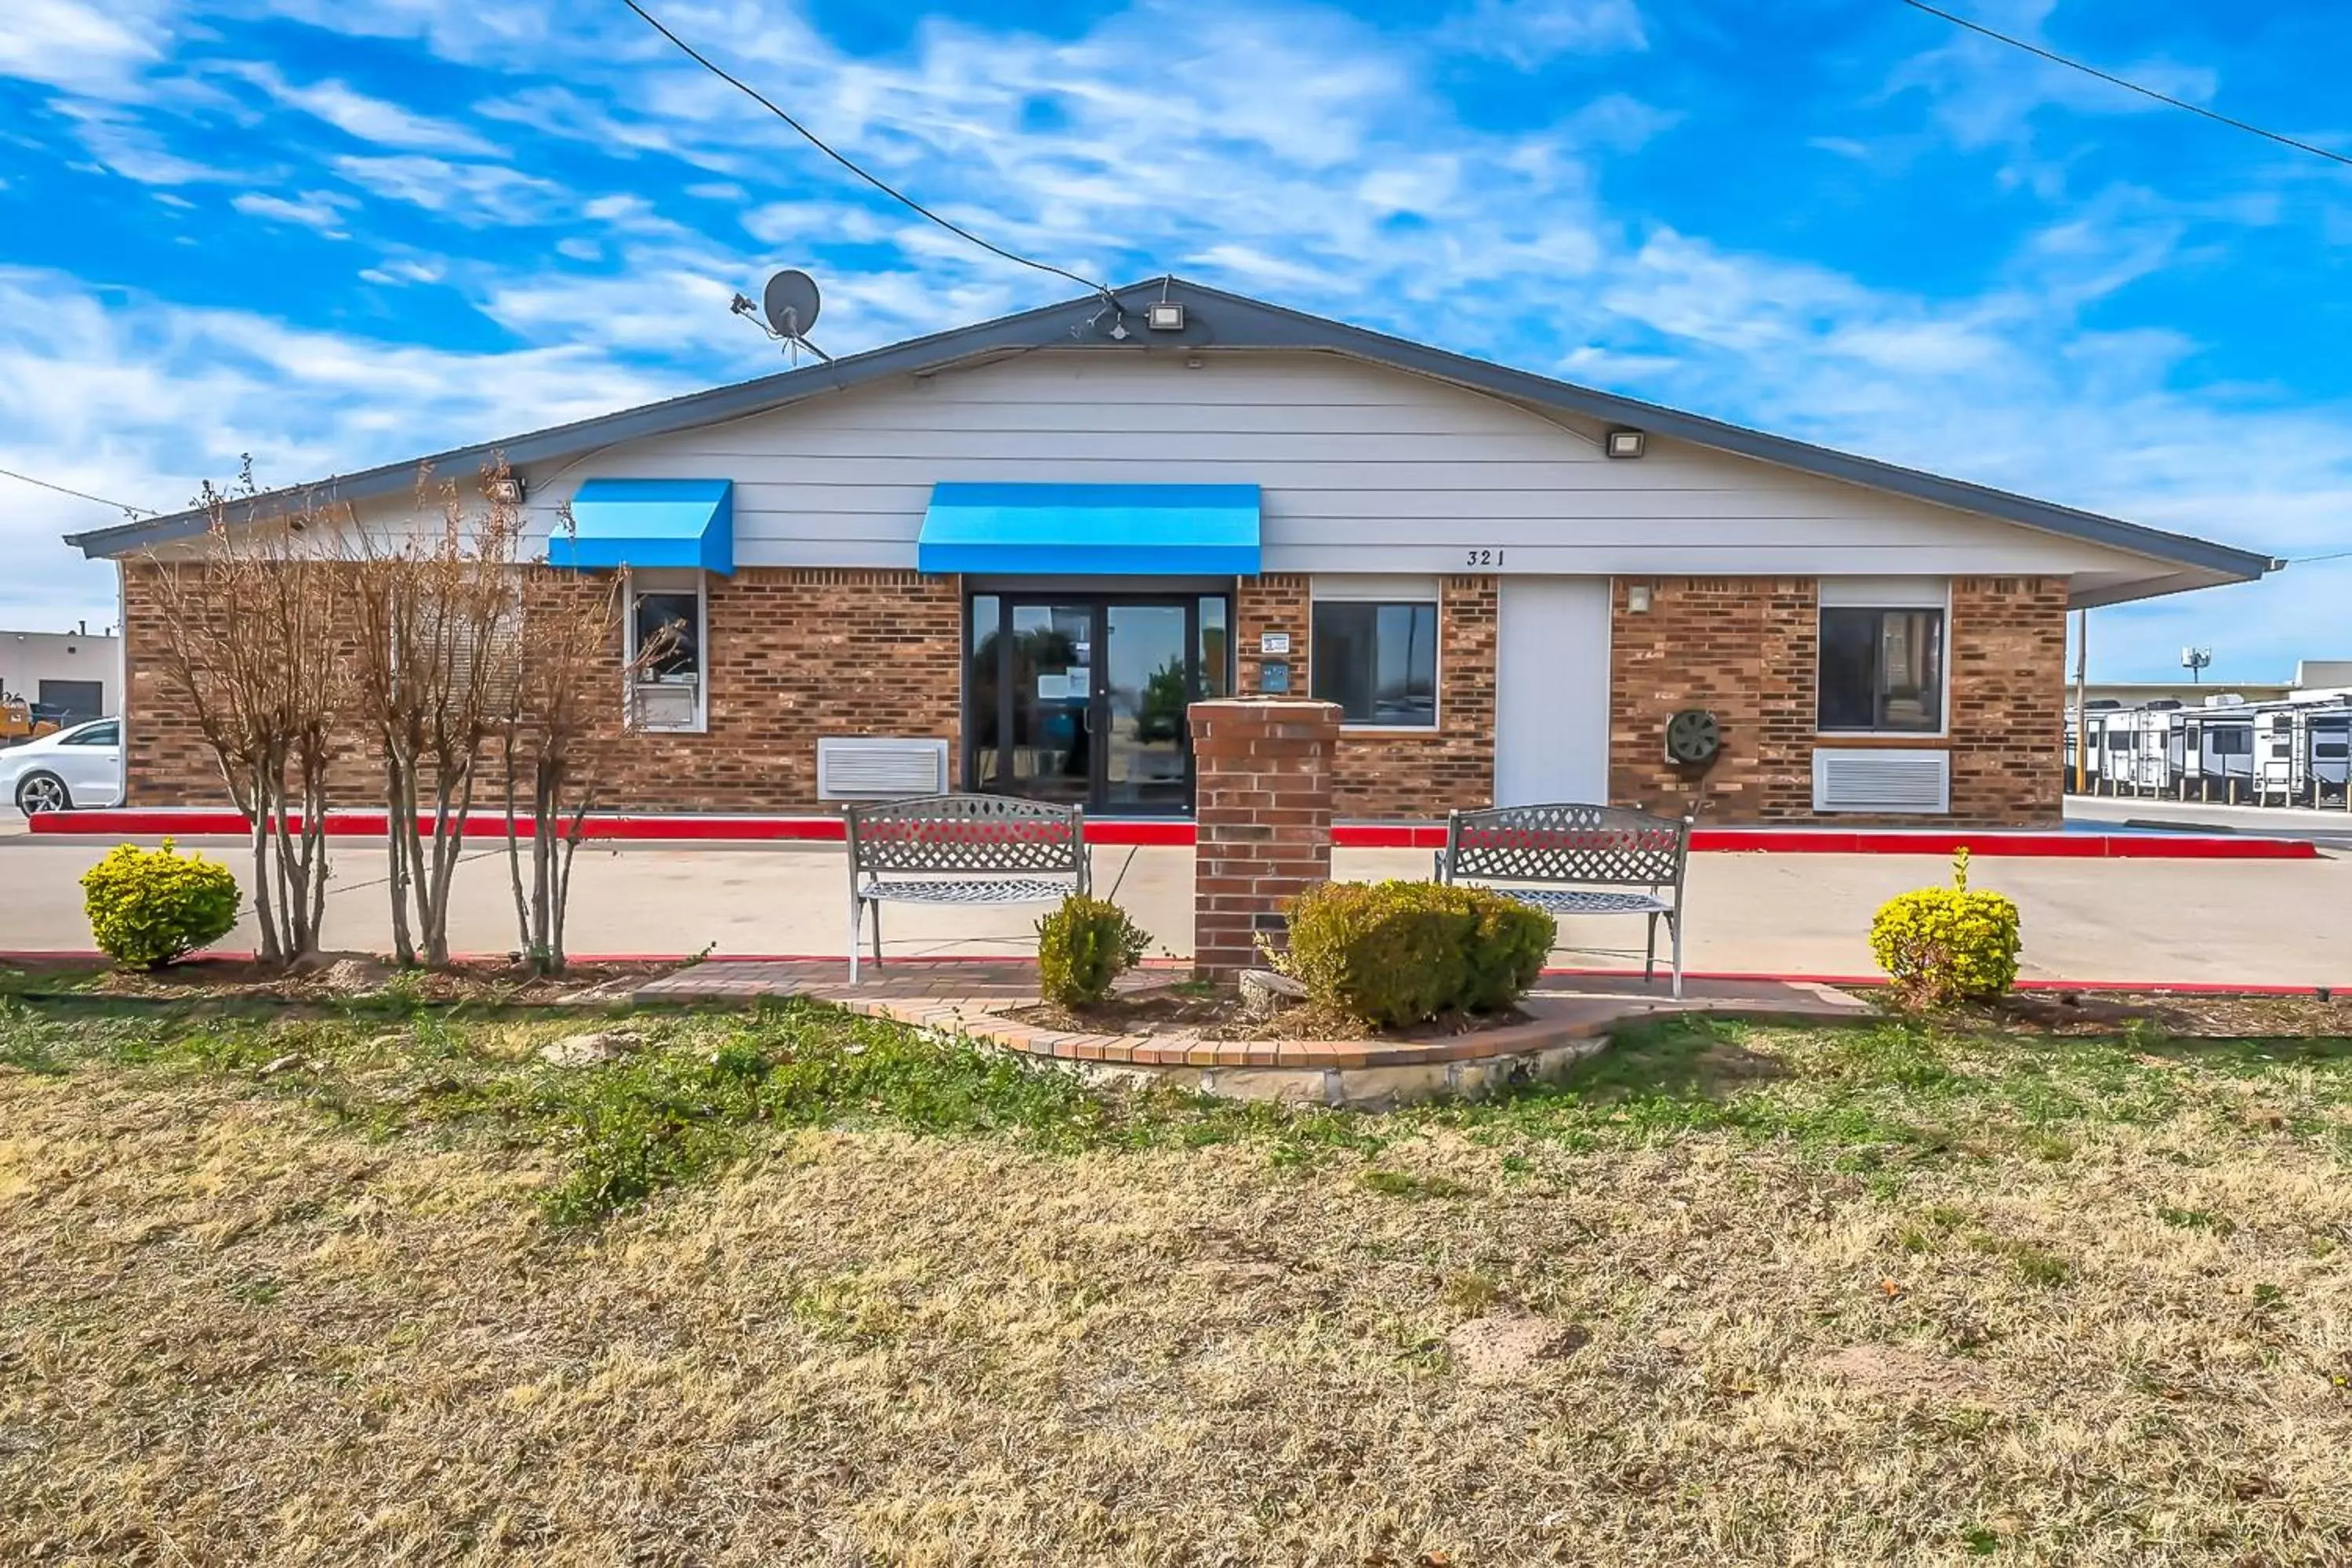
[257, 813]
[514, 858]
[403, 945]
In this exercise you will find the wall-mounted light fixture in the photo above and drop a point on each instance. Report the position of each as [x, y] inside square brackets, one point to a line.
[508, 490]
[1624, 443]
[1637, 599]
[1164, 316]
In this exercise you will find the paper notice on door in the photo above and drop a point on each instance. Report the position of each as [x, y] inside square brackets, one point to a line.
[1054, 687]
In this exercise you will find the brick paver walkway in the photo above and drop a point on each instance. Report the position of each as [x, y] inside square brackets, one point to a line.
[973, 996]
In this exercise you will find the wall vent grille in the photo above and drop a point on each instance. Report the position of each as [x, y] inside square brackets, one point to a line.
[1882, 781]
[873, 767]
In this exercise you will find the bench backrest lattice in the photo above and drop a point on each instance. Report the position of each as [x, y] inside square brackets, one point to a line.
[967, 835]
[1604, 846]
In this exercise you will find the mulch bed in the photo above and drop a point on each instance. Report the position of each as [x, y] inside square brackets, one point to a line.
[2198, 1016]
[1200, 1014]
[342, 976]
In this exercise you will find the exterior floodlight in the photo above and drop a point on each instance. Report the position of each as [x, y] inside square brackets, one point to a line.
[1625, 443]
[1167, 316]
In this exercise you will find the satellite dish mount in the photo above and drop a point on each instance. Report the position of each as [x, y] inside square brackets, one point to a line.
[790, 304]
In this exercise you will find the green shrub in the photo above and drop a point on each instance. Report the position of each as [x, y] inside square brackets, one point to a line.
[1507, 950]
[148, 906]
[1395, 953]
[1084, 945]
[1941, 945]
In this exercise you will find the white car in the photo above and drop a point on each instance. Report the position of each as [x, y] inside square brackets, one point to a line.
[81, 766]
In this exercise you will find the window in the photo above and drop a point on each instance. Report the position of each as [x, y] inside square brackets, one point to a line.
[667, 624]
[109, 733]
[1882, 671]
[1377, 661]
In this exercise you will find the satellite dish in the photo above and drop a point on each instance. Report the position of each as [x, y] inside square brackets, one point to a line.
[790, 303]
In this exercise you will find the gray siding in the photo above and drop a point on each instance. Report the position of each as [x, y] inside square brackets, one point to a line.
[1363, 468]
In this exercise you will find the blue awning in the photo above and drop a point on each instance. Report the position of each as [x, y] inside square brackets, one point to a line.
[1092, 530]
[650, 522]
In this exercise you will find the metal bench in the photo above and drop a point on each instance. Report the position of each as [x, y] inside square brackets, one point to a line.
[1577, 853]
[960, 849]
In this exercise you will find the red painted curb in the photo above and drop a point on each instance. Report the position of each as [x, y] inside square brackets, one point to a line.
[194, 823]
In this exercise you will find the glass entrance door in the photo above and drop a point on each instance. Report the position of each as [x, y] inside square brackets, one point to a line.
[1147, 685]
[1080, 700]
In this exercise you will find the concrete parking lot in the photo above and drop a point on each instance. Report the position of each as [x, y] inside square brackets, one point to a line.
[2156, 921]
[2327, 824]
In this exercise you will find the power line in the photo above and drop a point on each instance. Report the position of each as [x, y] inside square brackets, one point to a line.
[124, 507]
[1979, 27]
[2331, 555]
[815, 141]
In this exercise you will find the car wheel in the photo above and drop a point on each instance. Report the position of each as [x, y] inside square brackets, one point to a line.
[42, 792]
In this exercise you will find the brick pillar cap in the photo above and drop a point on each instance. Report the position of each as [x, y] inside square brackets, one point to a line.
[1263, 704]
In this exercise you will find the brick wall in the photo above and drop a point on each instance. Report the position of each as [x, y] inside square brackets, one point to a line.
[1742, 647]
[796, 653]
[166, 760]
[792, 654]
[1396, 773]
[1265, 794]
[2008, 699]
[1746, 648]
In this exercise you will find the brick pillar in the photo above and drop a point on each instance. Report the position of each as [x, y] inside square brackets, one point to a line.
[1263, 800]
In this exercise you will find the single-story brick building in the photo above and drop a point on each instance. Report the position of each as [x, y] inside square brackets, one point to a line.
[1005, 558]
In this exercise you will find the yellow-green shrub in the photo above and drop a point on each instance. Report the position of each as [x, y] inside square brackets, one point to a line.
[1395, 953]
[1941, 945]
[1084, 945]
[148, 906]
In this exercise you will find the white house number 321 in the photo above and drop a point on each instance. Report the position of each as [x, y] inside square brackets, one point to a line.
[1484, 558]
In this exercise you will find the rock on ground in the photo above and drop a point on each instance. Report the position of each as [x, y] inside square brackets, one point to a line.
[593, 1047]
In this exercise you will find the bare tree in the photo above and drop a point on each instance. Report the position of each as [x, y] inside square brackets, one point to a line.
[437, 612]
[567, 708]
[252, 626]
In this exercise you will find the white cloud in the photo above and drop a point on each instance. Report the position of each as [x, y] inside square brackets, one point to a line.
[400, 270]
[1532, 33]
[321, 210]
[122, 142]
[475, 194]
[362, 117]
[579, 248]
[81, 47]
[140, 399]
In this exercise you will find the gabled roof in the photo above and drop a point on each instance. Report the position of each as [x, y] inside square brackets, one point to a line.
[1216, 318]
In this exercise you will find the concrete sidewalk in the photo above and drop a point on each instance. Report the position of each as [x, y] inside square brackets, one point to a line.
[2156, 921]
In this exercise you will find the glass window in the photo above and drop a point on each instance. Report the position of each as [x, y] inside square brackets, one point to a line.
[1882, 670]
[666, 637]
[1378, 662]
[106, 734]
[669, 628]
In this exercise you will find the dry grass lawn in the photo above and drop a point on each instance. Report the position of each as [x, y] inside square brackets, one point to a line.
[1860, 1296]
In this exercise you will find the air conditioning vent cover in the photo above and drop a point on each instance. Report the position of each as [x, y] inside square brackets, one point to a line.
[878, 767]
[1859, 779]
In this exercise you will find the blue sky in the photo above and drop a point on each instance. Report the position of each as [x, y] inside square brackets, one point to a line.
[332, 233]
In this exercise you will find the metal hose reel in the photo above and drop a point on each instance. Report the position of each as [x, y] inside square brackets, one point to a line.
[1694, 739]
